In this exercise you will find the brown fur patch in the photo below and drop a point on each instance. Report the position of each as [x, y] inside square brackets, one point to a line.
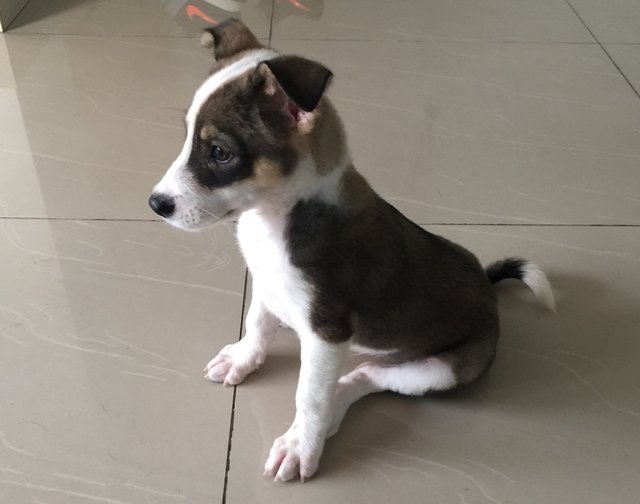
[267, 172]
[208, 132]
[231, 37]
[327, 138]
[271, 86]
[356, 194]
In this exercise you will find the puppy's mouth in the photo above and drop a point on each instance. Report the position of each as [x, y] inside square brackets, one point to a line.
[198, 219]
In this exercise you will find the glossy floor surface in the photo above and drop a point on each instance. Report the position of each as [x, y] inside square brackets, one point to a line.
[510, 127]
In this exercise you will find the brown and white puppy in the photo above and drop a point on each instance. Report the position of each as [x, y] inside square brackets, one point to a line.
[329, 257]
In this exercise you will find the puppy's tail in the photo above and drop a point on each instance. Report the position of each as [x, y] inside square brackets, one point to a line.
[528, 272]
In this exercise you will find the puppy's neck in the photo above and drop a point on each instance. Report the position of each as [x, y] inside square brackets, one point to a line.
[307, 182]
[324, 159]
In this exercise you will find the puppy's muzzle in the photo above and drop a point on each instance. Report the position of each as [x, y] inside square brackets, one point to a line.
[162, 204]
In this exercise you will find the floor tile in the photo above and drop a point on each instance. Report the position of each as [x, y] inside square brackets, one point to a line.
[610, 21]
[476, 133]
[159, 18]
[104, 330]
[556, 419]
[95, 122]
[502, 111]
[627, 57]
[492, 20]
[6, 71]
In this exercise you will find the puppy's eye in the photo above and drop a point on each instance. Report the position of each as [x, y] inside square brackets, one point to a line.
[220, 155]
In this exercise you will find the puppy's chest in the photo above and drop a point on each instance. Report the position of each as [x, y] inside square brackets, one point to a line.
[281, 285]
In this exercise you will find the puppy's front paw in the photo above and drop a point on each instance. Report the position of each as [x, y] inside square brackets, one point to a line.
[289, 458]
[232, 365]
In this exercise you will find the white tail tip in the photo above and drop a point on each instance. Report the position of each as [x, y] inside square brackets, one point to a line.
[538, 282]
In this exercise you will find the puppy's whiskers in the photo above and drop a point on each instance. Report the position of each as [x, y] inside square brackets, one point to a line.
[216, 217]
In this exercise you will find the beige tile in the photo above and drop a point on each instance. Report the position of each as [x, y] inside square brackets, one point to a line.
[160, 18]
[492, 20]
[611, 21]
[490, 133]
[555, 420]
[7, 79]
[506, 112]
[627, 57]
[95, 122]
[481, 132]
[104, 330]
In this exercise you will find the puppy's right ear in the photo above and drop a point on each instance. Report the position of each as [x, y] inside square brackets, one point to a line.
[229, 38]
[292, 86]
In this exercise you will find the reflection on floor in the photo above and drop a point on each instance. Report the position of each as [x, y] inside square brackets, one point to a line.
[510, 127]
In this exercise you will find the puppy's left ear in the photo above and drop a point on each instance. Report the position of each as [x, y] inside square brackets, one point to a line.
[302, 80]
[229, 38]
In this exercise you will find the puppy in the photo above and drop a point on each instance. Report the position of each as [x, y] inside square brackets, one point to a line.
[329, 257]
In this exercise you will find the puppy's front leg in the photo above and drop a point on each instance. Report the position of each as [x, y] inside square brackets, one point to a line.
[298, 451]
[234, 362]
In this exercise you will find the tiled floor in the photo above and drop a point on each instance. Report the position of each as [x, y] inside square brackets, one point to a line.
[511, 127]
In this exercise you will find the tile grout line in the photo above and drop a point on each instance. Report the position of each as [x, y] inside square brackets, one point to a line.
[438, 41]
[516, 224]
[228, 461]
[98, 36]
[511, 224]
[273, 10]
[603, 49]
[71, 219]
[116, 37]
[269, 39]
[233, 400]
[16, 16]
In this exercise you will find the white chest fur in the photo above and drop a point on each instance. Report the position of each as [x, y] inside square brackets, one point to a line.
[279, 284]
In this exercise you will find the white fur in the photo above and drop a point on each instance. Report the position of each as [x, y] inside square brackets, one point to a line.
[224, 76]
[326, 187]
[234, 362]
[298, 451]
[279, 285]
[538, 282]
[363, 350]
[282, 289]
[410, 378]
[413, 378]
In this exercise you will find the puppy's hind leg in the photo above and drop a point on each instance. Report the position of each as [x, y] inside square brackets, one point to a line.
[410, 378]
[441, 372]
[234, 362]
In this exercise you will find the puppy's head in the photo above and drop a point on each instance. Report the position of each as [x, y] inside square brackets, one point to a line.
[247, 130]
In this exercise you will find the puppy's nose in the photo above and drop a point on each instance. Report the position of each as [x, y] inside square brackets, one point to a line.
[162, 204]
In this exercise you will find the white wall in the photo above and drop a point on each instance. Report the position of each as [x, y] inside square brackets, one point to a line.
[9, 10]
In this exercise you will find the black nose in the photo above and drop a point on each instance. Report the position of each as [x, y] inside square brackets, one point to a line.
[162, 204]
